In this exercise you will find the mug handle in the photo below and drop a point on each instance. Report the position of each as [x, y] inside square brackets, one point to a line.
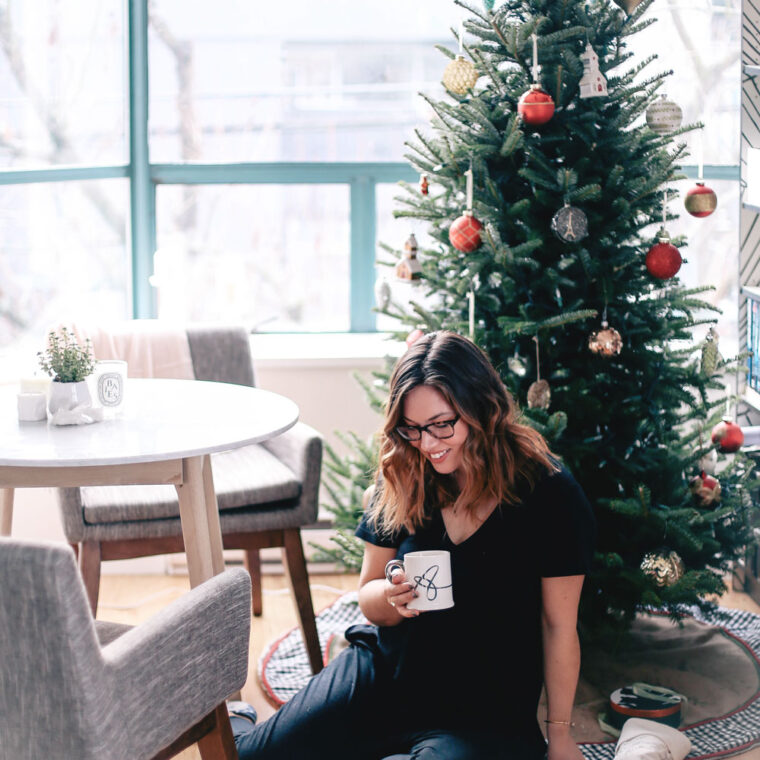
[393, 566]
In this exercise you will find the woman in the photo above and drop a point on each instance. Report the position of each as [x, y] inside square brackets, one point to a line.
[457, 472]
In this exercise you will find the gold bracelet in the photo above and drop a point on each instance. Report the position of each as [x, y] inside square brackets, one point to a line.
[560, 722]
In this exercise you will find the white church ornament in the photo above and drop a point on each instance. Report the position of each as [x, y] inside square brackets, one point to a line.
[592, 84]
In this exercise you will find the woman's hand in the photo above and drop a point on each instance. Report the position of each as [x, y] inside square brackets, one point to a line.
[399, 592]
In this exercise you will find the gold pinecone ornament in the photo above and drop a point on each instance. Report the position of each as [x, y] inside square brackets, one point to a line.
[665, 568]
[710, 354]
[460, 76]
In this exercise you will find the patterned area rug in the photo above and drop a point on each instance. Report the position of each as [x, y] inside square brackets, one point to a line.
[284, 670]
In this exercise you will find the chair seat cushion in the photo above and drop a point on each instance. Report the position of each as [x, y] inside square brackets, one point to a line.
[244, 477]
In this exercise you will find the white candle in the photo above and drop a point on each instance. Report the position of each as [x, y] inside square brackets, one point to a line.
[34, 384]
[32, 407]
[536, 69]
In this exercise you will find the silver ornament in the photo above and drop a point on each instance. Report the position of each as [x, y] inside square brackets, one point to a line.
[382, 294]
[664, 116]
[708, 462]
[517, 365]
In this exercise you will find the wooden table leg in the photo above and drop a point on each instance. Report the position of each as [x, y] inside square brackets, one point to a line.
[6, 511]
[203, 546]
[200, 522]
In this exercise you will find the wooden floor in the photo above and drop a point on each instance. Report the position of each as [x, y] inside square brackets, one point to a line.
[133, 598]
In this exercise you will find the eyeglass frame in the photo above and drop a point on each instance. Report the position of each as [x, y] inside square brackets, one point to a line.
[426, 429]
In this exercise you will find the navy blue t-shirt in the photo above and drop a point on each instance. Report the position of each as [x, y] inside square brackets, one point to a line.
[479, 663]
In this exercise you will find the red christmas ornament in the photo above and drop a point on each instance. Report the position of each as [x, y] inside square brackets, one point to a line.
[424, 184]
[413, 336]
[464, 233]
[535, 106]
[663, 259]
[728, 436]
[700, 201]
[705, 489]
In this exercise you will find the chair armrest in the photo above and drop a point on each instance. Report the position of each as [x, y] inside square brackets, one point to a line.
[70, 507]
[177, 666]
[300, 448]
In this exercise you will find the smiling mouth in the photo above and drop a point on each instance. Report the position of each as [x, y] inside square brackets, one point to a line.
[439, 455]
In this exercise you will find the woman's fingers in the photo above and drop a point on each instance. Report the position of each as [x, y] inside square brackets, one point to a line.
[399, 593]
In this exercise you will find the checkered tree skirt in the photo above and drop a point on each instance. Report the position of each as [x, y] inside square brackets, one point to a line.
[284, 670]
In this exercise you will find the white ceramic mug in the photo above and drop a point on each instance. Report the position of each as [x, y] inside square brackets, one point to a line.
[430, 574]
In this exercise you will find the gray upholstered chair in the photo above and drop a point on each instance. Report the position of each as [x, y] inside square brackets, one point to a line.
[266, 492]
[72, 688]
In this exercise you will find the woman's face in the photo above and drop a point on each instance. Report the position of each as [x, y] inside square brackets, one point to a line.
[425, 405]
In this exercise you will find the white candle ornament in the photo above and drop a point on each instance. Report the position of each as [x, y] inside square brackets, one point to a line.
[471, 298]
[535, 69]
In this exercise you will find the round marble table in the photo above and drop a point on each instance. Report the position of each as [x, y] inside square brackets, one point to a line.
[164, 434]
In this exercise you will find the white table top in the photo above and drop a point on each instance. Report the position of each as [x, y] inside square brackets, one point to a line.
[160, 420]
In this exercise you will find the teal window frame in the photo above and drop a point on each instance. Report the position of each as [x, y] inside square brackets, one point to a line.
[144, 178]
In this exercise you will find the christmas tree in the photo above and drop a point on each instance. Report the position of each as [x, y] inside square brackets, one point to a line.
[547, 193]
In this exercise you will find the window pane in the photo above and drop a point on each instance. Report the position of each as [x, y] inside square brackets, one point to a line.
[65, 258]
[63, 82]
[700, 42]
[230, 83]
[275, 257]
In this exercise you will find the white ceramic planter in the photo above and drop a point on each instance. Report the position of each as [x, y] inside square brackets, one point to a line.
[68, 396]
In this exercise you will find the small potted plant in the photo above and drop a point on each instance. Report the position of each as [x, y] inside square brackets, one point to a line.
[69, 364]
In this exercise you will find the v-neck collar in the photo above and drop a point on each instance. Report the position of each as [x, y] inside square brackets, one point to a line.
[472, 535]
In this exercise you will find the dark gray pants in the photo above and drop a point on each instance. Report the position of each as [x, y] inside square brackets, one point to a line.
[347, 712]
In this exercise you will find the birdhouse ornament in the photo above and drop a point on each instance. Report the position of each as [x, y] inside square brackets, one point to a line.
[592, 84]
[408, 267]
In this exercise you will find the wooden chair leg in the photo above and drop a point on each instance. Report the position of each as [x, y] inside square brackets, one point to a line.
[219, 744]
[295, 562]
[89, 567]
[252, 562]
[75, 547]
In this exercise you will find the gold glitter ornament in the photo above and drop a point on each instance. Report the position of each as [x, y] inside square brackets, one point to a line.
[665, 568]
[460, 76]
[605, 342]
[539, 395]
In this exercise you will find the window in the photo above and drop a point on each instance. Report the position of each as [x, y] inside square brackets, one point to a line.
[255, 153]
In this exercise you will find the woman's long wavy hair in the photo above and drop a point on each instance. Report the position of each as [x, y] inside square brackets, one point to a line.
[500, 455]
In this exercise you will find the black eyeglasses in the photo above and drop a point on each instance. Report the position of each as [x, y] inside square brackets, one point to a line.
[441, 429]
